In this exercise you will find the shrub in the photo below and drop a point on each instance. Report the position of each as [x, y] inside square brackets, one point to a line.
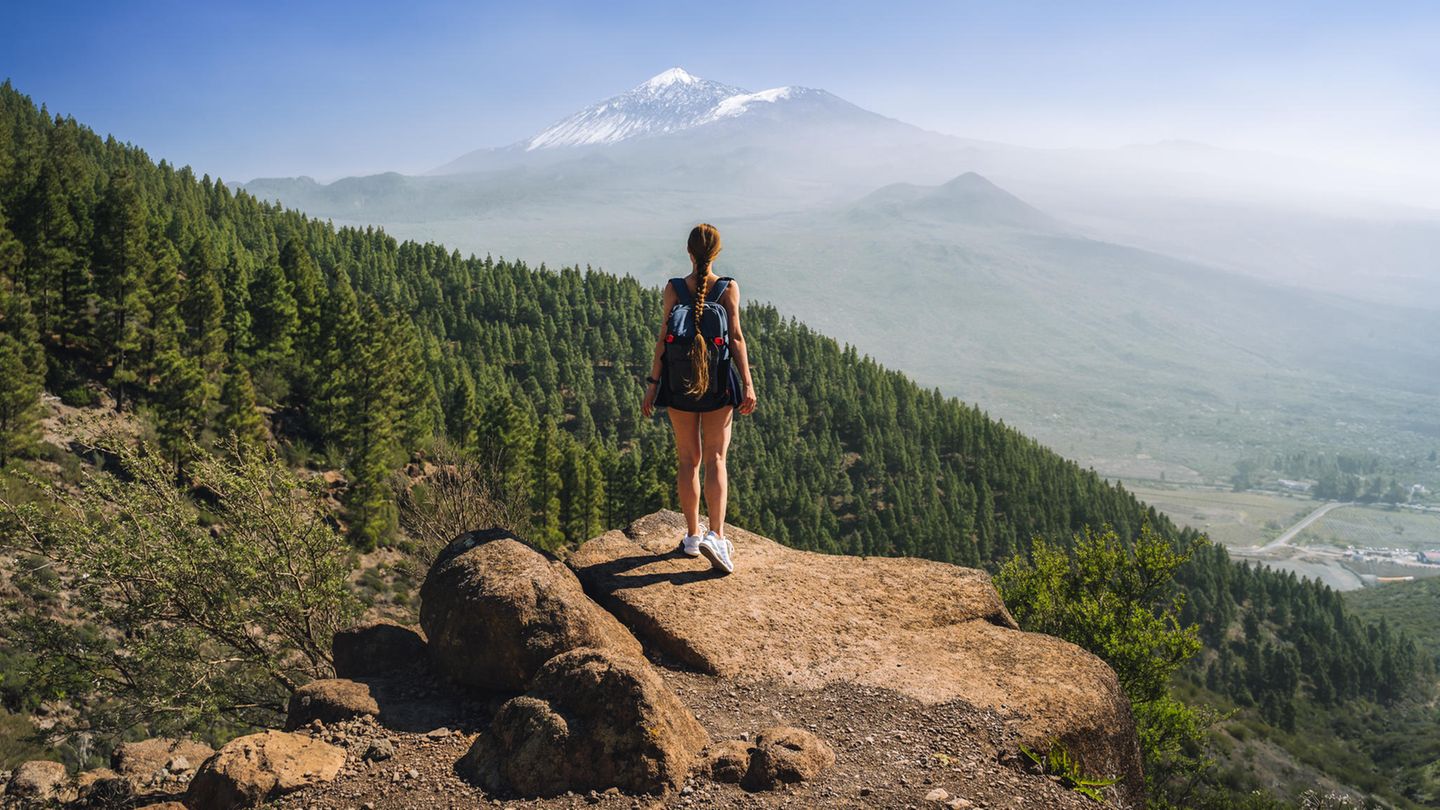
[1120, 602]
[185, 626]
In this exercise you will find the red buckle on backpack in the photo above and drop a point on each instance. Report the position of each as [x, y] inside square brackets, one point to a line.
[719, 340]
[669, 338]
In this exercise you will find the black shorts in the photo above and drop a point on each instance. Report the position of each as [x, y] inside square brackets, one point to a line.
[729, 396]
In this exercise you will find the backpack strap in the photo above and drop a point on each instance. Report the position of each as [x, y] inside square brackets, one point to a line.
[682, 293]
[718, 288]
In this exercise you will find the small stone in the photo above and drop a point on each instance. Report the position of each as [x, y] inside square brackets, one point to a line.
[438, 733]
[958, 803]
[938, 795]
[380, 749]
[687, 790]
[864, 791]
[412, 773]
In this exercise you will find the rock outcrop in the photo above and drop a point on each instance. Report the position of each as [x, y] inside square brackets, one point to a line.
[257, 768]
[495, 610]
[330, 700]
[38, 781]
[378, 648]
[592, 720]
[933, 631]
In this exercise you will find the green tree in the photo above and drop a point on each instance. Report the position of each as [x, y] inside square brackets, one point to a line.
[1121, 604]
[273, 314]
[179, 403]
[239, 417]
[22, 360]
[122, 262]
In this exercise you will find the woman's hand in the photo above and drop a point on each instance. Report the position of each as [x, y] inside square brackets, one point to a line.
[647, 405]
[747, 400]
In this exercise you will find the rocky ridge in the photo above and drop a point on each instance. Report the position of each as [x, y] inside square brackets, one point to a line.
[801, 680]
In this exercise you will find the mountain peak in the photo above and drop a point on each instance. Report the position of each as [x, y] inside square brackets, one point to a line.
[675, 75]
[666, 102]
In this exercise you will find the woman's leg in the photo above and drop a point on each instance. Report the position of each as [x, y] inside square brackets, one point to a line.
[687, 473]
[716, 427]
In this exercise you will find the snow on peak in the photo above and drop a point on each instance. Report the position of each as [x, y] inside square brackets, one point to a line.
[668, 102]
[675, 75]
[739, 104]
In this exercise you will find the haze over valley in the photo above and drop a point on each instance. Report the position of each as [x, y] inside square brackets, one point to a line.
[1167, 309]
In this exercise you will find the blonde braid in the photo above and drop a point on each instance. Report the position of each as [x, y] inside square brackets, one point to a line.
[699, 349]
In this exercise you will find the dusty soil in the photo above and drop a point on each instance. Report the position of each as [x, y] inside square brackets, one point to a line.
[891, 751]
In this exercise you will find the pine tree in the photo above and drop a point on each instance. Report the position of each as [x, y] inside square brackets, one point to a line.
[237, 403]
[273, 315]
[122, 263]
[22, 358]
[57, 229]
[203, 307]
[179, 403]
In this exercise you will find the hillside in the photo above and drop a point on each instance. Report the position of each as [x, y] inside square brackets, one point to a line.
[193, 306]
[1409, 607]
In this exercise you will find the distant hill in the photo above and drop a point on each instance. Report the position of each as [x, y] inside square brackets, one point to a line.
[966, 200]
[1411, 607]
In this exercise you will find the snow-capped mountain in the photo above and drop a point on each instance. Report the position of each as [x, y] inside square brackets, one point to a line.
[676, 103]
[671, 101]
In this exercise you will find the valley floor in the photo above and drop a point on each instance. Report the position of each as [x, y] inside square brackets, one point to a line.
[1348, 546]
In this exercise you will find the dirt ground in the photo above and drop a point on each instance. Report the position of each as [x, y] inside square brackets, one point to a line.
[891, 752]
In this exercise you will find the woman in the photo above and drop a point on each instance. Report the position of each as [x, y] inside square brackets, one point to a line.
[701, 374]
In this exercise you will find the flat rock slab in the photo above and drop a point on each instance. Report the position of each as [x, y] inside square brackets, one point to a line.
[929, 630]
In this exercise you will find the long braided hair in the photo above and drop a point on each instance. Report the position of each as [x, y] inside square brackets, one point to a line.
[704, 245]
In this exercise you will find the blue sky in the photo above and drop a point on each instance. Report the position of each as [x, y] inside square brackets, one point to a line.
[246, 89]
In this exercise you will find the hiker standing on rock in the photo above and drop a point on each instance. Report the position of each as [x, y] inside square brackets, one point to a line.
[701, 374]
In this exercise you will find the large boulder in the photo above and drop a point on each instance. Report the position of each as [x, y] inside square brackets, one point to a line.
[330, 700]
[249, 770]
[39, 780]
[148, 764]
[592, 720]
[495, 610]
[379, 648]
[932, 631]
[785, 755]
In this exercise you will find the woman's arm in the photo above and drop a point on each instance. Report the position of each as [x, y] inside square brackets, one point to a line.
[731, 300]
[647, 405]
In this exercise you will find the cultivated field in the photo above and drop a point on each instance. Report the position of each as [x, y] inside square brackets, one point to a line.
[1374, 527]
[1229, 518]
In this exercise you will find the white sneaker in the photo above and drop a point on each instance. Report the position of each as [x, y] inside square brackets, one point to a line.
[690, 546]
[718, 551]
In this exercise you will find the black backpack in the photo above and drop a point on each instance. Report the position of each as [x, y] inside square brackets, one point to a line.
[680, 332]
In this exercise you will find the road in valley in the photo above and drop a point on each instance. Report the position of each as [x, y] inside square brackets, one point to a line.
[1289, 534]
